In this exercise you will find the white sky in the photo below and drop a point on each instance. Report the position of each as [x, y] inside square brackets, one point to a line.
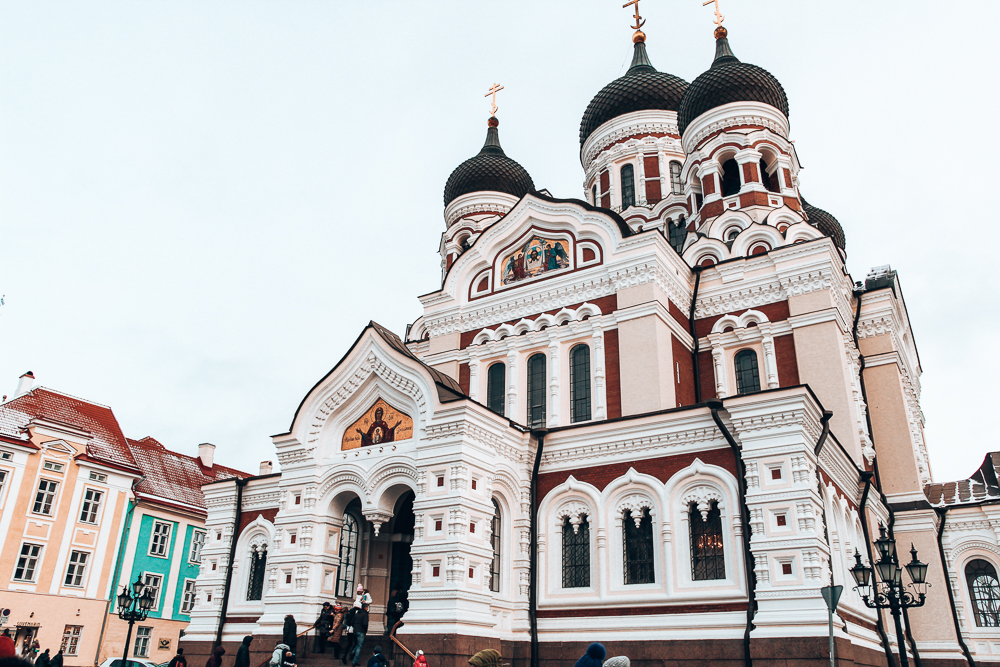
[202, 203]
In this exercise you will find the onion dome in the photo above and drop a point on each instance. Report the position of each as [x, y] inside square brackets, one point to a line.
[490, 170]
[641, 88]
[826, 223]
[729, 80]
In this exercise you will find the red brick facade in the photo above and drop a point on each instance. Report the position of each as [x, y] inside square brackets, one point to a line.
[612, 374]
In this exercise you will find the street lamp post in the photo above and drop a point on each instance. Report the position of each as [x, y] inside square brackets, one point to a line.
[889, 592]
[133, 605]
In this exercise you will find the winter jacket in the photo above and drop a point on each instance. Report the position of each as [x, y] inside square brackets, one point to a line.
[337, 630]
[364, 598]
[43, 659]
[325, 620]
[243, 653]
[178, 661]
[361, 620]
[594, 657]
[277, 658]
[378, 660]
[421, 661]
[57, 660]
[216, 658]
[7, 647]
[289, 632]
[487, 658]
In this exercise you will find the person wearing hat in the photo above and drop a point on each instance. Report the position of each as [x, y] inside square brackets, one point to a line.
[487, 658]
[336, 629]
[421, 660]
[594, 657]
[323, 625]
[362, 597]
[618, 661]
[377, 659]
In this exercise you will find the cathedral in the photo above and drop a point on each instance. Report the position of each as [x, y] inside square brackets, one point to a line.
[662, 416]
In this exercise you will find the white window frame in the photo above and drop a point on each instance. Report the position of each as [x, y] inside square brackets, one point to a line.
[196, 547]
[36, 558]
[77, 569]
[53, 466]
[165, 544]
[189, 597]
[142, 639]
[40, 497]
[71, 639]
[90, 506]
[146, 576]
[3, 482]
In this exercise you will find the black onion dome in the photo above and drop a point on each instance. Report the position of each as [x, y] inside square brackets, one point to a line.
[641, 88]
[826, 223]
[729, 80]
[490, 170]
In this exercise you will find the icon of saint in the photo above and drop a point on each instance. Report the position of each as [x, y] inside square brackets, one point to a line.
[379, 431]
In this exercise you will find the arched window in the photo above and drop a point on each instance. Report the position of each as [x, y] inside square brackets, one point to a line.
[638, 546]
[495, 538]
[676, 185]
[496, 387]
[678, 234]
[258, 566]
[708, 560]
[770, 181]
[730, 178]
[593, 196]
[628, 187]
[348, 556]
[579, 383]
[576, 553]
[747, 375]
[985, 591]
[536, 390]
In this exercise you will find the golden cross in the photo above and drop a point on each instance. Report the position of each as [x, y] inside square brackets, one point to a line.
[638, 19]
[719, 18]
[493, 91]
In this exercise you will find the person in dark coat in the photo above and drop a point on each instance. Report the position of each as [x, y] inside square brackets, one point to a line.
[215, 660]
[378, 660]
[242, 653]
[347, 638]
[360, 630]
[288, 633]
[178, 660]
[594, 657]
[323, 625]
[43, 659]
[57, 660]
[336, 629]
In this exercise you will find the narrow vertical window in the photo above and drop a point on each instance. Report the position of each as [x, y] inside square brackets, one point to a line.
[197, 544]
[536, 390]
[628, 187]
[160, 539]
[27, 562]
[348, 556]
[91, 506]
[593, 196]
[44, 497]
[769, 182]
[730, 178]
[71, 639]
[142, 635]
[153, 583]
[985, 592]
[579, 383]
[676, 185]
[258, 566]
[678, 234]
[76, 569]
[190, 595]
[495, 538]
[708, 559]
[496, 387]
[638, 547]
[576, 553]
[747, 374]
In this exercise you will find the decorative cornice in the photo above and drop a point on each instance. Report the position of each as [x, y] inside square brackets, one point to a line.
[600, 141]
[740, 299]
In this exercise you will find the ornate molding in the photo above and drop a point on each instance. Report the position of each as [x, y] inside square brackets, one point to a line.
[731, 301]
[702, 496]
[635, 503]
[605, 141]
[575, 511]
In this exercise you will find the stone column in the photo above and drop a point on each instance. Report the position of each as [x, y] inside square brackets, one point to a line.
[473, 377]
[512, 358]
[600, 387]
[770, 361]
[719, 364]
[552, 405]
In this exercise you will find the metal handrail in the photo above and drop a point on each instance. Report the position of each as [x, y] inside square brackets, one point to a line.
[392, 636]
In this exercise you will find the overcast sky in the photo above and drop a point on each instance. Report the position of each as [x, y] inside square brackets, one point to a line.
[202, 203]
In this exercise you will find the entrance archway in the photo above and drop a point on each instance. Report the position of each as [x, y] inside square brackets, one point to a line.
[400, 561]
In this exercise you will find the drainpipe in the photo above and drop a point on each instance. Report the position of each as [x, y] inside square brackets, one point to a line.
[533, 547]
[715, 405]
[240, 483]
[942, 512]
[694, 334]
[866, 477]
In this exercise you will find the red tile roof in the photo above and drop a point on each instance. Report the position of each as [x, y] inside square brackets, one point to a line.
[981, 487]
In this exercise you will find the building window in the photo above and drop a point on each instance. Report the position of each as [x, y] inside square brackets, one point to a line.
[576, 554]
[708, 560]
[579, 383]
[3, 482]
[27, 562]
[638, 546]
[142, 635]
[495, 538]
[628, 186]
[747, 375]
[187, 602]
[91, 506]
[496, 388]
[676, 185]
[348, 556]
[71, 639]
[730, 178]
[770, 181]
[197, 544]
[153, 583]
[678, 234]
[45, 496]
[536, 390]
[160, 539]
[258, 566]
[985, 591]
[53, 466]
[77, 568]
[98, 477]
[593, 195]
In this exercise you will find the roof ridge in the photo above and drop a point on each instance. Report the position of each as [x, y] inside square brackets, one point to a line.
[63, 393]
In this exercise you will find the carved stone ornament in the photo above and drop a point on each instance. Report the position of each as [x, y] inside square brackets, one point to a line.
[575, 511]
[635, 503]
[702, 496]
[258, 544]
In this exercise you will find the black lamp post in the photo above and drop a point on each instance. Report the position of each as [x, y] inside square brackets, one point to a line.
[134, 605]
[889, 592]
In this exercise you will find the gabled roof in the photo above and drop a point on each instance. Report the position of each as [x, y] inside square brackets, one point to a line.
[172, 476]
[107, 443]
[981, 487]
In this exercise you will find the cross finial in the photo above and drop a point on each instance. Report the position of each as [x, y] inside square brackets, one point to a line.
[639, 22]
[719, 18]
[496, 88]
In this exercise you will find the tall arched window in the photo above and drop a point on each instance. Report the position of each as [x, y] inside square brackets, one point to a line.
[628, 187]
[348, 556]
[747, 375]
[576, 553]
[676, 185]
[536, 390]
[495, 538]
[678, 234]
[258, 566]
[593, 196]
[496, 387]
[708, 560]
[730, 178]
[985, 591]
[638, 548]
[579, 383]
[770, 182]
